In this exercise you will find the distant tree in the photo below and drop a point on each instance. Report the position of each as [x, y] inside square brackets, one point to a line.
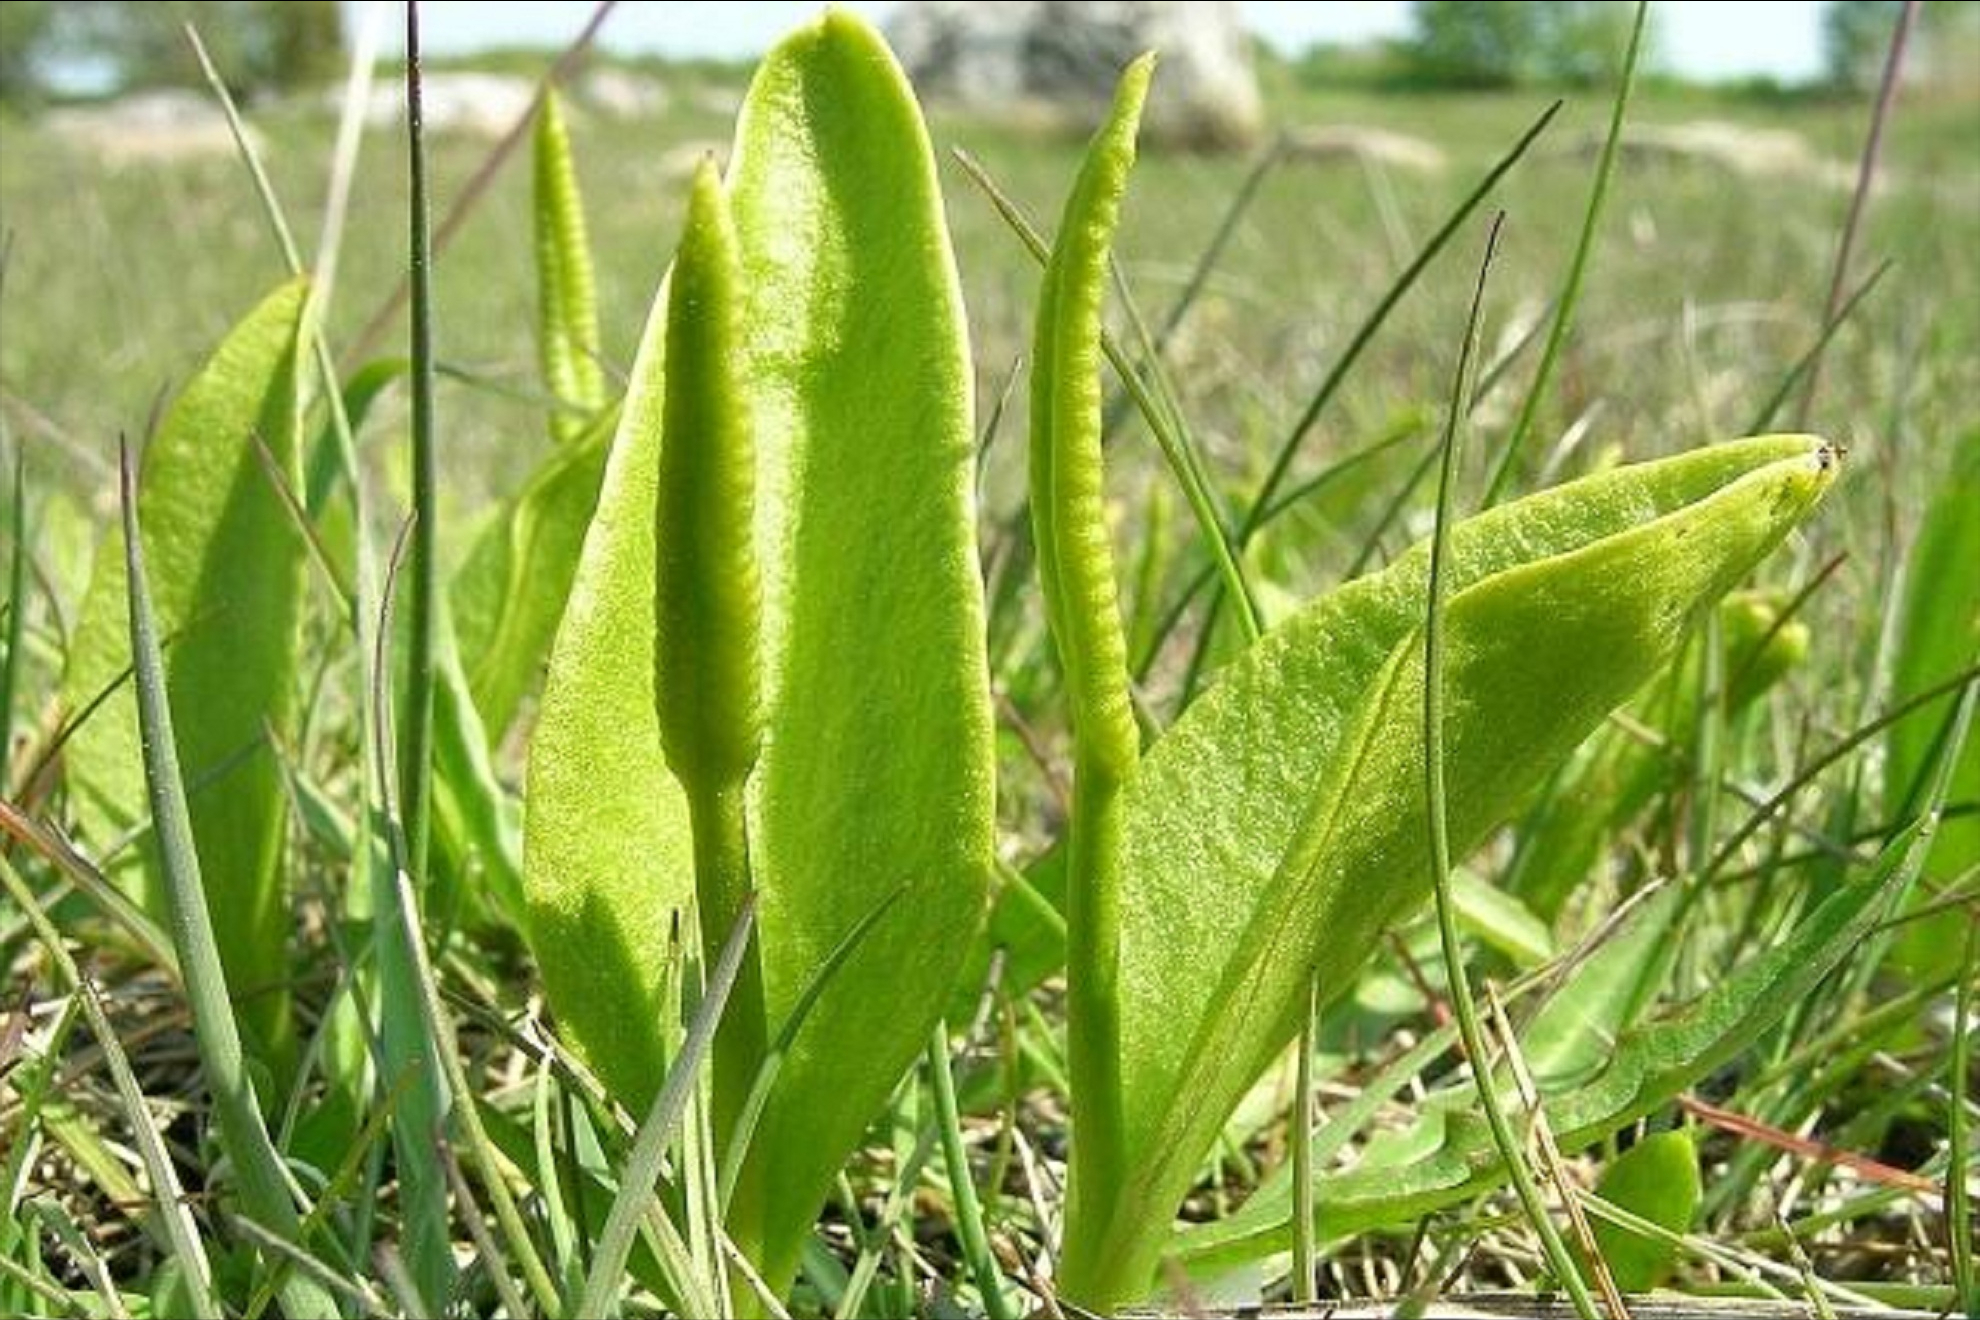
[1856, 36]
[259, 45]
[1509, 43]
[26, 29]
[1474, 43]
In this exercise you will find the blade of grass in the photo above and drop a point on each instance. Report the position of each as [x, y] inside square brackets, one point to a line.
[491, 1254]
[779, 1049]
[1842, 748]
[285, 241]
[423, 599]
[174, 1219]
[257, 1165]
[1206, 262]
[965, 1210]
[1265, 505]
[10, 664]
[87, 1260]
[642, 1172]
[1305, 1256]
[350, 140]
[1866, 176]
[1591, 221]
[1959, 1152]
[417, 1009]
[1187, 460]
[1337, 375]
[1469, 1028]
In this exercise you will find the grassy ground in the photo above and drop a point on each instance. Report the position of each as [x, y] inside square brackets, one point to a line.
[1707, 285]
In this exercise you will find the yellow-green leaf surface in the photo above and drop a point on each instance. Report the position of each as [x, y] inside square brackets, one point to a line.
[874, 780]
[1275, 831]
[226, 570]
[1446, 1156]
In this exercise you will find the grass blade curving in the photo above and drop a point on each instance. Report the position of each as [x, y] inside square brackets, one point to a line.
[1511, 1152]
[263, 1183]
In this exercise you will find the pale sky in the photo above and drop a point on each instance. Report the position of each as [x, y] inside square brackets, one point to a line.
[1699, 38]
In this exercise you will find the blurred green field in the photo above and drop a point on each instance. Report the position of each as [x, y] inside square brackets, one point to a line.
[1707, 281]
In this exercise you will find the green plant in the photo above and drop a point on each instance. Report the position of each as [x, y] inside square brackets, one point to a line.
[849, 358]
[226, 577]
[1268, 835]
[768, 807]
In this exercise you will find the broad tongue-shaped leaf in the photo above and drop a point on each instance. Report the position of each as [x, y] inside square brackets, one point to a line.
[1277, 828]
[226, 564]
[874, 783]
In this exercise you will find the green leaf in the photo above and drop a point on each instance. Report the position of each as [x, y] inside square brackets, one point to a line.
[1656, 1179]
[1274, 831]
[875, 776]
[226, 565]
[1612, 780]
[1939, 636]
[509, 593]
[1447, 1156]
[567, 296]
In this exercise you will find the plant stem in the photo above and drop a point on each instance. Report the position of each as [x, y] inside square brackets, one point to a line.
[1304, 1284]
[1469, 1030]
[722, 896]
[10, 664]
[964, 1207]
[422, 596]
[1959, 1149]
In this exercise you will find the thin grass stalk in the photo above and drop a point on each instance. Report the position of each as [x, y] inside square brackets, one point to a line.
[1591, 221]
[285, 239]
[350, 140]
[423, 597]
[1959, 1137]
[1187, 461]
[179, 1231]
[965, 1209]
[1305, 1254]
[1859, 199]
[420, 1012]
[1469, 1028]
[1264, 505]
[656, 1131]
[257, 1165]
[10, 664]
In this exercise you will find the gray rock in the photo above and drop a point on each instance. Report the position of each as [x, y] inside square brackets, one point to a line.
[160, 126]
[1057, 60]
[621, 94]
